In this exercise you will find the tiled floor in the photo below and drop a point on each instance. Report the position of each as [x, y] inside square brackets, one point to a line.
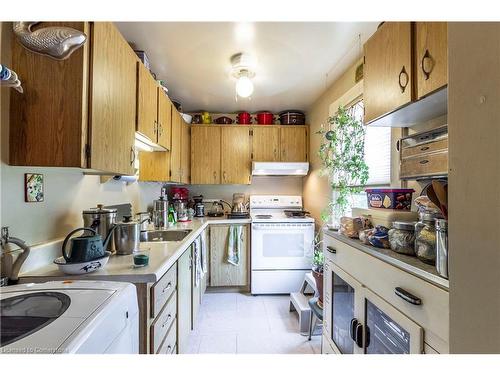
[242, 323]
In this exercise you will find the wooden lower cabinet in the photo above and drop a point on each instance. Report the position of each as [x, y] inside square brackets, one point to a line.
[223, 273]
[293, 144]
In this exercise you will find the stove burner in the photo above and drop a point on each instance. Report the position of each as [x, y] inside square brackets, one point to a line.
[295, 214]
[263, 216]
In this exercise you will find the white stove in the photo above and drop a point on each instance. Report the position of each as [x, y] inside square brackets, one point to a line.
[282, 245]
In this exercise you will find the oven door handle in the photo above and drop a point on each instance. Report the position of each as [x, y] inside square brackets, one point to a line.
[283, 226]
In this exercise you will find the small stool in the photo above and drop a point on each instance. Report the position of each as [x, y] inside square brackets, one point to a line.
[299, 302]
[316, 315]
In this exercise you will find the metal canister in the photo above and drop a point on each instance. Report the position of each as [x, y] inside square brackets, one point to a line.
[160, 213]
[101, 220]
[126, 236]
[442, 247]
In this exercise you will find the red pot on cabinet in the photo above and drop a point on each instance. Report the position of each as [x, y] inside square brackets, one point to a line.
[244, 118]
[264, 118]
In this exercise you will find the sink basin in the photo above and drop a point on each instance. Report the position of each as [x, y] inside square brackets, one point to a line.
[164, 235]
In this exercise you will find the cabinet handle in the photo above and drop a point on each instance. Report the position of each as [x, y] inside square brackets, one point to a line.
[155, 127]
[224, 176]
[132, 155]
[215, 176]
[331, 250]
[408, 297]
[425, 161]
[427, 73]
[398, 145]
[356, 332]
[169, 285]
[169, 348]
[403, 74]
[166, 321]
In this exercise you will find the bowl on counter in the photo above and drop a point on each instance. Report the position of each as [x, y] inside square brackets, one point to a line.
[81, 268]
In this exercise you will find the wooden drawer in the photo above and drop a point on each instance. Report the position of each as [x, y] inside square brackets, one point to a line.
[425, 165]
[161, 325]
[439, 145]
[162, 290]
[169, 345]
[383, 278]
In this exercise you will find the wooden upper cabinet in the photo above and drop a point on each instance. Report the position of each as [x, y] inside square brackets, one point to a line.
[113, 97]
[265, 144]
[293, 144]
[164, 120]
[431, 56]
[388, 69]
[147, 92]
[185, 152]
[154, 166]
[78, 112]
[48, 122]
[235, 157]
[205, 154]
[175, 151]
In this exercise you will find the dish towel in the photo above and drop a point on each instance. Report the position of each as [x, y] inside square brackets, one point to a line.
[234, 244]
[204, 257]
[197, 262]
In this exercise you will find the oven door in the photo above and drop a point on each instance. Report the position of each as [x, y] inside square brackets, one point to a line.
[282, 246]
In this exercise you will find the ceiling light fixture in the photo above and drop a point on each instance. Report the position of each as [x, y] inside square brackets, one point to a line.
[241, 69]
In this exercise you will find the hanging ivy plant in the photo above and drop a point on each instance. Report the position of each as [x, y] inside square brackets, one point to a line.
[342, 153]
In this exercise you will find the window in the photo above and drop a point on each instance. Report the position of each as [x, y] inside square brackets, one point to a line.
[377, 149]
[377, 155]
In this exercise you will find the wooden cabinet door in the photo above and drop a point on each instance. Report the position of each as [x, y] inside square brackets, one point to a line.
[113, 101]
[387, 70]
[223, 273]
[147, 92]
[265, 144]
[235, 158]
[154, 166]
[293, 144]
[48, 122]
[175, 150]
[431, 56]
[205, 154]
[184, 302]
[185, 152]
[164, 128]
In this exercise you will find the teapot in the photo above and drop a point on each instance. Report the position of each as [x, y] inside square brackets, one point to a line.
[86, 247]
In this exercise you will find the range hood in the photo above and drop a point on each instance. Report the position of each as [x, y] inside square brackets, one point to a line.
[279, 169]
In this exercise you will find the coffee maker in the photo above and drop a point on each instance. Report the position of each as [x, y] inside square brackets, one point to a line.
[199, 207]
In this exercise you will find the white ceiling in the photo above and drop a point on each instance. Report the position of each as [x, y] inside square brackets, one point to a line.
[293, 60]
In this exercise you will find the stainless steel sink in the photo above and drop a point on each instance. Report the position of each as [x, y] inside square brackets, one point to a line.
[164, 235]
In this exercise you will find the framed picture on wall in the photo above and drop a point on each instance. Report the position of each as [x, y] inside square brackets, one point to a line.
[33, 187]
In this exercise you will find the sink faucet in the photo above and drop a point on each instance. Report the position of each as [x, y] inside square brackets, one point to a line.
[5, 239]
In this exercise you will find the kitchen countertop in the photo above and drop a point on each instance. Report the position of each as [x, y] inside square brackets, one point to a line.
[162, 256]
[407, 263]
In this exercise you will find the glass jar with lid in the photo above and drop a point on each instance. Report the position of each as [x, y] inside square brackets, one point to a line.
[402, 237]
[425, 238]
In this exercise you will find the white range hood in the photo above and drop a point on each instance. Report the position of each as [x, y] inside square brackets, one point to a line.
[279, 169]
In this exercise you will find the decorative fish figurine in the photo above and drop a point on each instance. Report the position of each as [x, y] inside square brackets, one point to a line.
[57, 42]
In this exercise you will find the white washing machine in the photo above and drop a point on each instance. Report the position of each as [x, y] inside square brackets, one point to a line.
[90, 317]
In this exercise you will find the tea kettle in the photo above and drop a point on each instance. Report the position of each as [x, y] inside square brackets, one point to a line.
[217, 209]
[86, 247]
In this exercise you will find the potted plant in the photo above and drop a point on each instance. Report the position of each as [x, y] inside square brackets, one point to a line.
[342, 152]
[317, 268]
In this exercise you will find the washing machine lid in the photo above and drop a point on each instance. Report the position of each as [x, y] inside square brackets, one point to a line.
[39, 321]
